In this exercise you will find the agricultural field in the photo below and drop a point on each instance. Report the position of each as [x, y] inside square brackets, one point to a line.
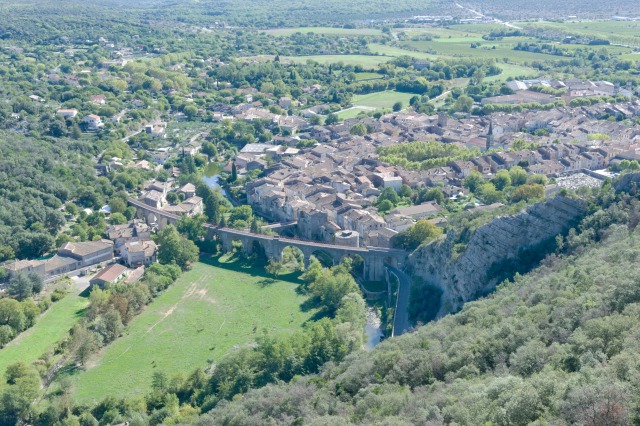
[284, 32]
[623, 33]
[51, 326]
[393, 51]
[367, 61]
[218, 305]
[494, 49]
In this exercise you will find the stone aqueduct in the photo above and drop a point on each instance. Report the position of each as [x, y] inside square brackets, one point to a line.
[375, 258]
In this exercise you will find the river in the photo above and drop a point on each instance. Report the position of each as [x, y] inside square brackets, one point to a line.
[373, 328]
[212, 176]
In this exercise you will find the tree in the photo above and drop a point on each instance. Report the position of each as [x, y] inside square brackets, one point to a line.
[37, 283]
[358, 129]
[385, 206]
[159, 381]
[117, 205]
[331, 119]
[463, 104]
[172, 198]
[405, 191]
[109, 326]
[191, 111]
[518, 176]
[76, 133]
[397, 107]
[489, 193]
[331, 286]
[474, 181]
[421, 232]
[16, 400]
[432, 194]
[389, 194]
[117, 219]
[528, 192]
[274, 267]
[501, 180]
[175, 248]
[20, 286]
[83, 344]
[241, 217]
[255, 227]
[234, 172]
[192, 227]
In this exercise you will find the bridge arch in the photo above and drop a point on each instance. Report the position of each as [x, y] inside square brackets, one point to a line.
[357, 263]
[293, 257]
[324, 257]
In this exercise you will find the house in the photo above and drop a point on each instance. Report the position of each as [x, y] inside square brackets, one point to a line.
[93, 122]
[139, 253]
[189, 190]
[68, 113]
[109, 275]
[463, 168]
[25, 267]
[285, 102]
[188, 207]
[421, 211]
[136, 230]
[74, 255]
[154, 199]
[98, 99]
[160, 157]
[157, 130]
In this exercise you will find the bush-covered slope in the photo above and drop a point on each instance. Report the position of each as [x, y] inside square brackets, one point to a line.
[557, 346]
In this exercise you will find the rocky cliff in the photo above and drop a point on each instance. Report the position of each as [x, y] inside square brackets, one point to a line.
[494, 252]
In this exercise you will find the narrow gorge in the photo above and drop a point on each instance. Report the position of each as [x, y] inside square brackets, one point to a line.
[459, 272]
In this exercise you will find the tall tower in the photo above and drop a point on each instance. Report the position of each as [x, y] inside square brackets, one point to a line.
[442, 119]
[490, 135]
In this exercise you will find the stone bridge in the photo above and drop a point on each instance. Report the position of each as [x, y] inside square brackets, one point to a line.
[375, 258]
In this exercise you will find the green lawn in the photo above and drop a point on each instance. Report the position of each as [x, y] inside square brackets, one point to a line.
[351, 112]
[384, 99]
[51, 327]
[513, 71]
[212, 309]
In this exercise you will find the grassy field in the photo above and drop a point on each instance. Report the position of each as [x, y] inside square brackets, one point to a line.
[215, 307]
[283, 32]
[513, 71]
[352, 112]
[381, 100]
[625, 33]
[51, 327]
[361, 76]
[368, 61]
[392, 51]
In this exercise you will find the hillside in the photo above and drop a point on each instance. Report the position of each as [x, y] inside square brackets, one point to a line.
[556, 346]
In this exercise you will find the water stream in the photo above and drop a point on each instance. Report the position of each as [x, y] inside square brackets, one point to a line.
[373, 328]
[211, 177]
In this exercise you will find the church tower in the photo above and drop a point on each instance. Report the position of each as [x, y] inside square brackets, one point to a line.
[490, 136]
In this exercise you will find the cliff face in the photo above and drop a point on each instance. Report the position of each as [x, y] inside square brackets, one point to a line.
[495, 251]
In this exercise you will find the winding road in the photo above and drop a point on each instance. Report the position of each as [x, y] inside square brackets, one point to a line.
[401, 323]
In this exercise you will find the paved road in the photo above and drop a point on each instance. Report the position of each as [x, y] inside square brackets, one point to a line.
[401, 322]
